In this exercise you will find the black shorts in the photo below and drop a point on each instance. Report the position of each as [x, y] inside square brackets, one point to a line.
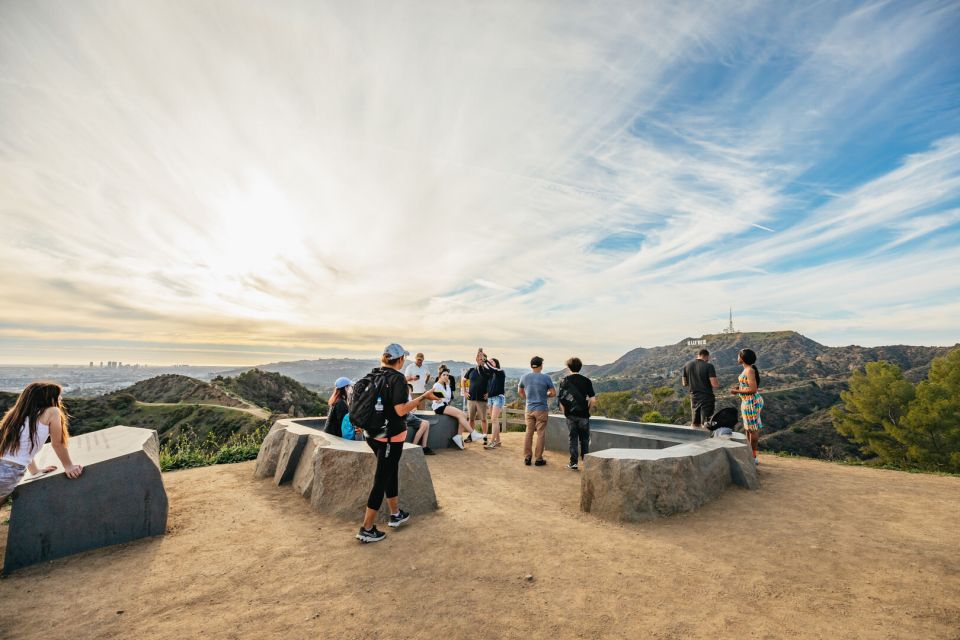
[702, 407]
[439, 410]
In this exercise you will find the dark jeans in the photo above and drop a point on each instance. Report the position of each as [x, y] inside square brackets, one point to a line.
[386, 478]
[579, 435]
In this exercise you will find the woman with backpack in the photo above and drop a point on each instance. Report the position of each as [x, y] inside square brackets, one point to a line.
[337, 417]
[496, 399]
[751, 402]
[442, 407]
[37, 414]
[380, 401]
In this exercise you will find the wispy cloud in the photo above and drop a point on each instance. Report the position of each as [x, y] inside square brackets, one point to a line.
[307, 178]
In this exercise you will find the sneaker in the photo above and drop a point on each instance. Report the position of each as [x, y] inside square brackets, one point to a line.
[457, 440]
[399, 519]
[756, 461]
[475, 436]
[540, 462]
[427, 451]
[573, 466]
[484, 440]
[495, 444]
[526, 461]
[370, 535]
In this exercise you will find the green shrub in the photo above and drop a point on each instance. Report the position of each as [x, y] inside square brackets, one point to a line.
[187, 450]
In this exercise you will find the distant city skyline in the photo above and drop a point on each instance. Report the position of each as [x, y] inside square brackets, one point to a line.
[249, 182]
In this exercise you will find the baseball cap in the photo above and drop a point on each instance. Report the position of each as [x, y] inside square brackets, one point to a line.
[342, 382]
[395, 351]
[536, 361]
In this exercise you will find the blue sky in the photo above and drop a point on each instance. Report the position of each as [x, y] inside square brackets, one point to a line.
[242, 182]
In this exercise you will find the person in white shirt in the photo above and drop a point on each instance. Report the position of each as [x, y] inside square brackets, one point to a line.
[418, 376]
[442, 407]
[38, 414]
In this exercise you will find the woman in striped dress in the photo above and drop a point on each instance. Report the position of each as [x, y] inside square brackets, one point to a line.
[751, 402]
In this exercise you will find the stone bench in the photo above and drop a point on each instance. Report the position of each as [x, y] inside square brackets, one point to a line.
[119, 497]
[641, 484]
[335, 475]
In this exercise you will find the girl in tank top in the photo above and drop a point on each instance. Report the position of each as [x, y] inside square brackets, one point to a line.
[37, 415]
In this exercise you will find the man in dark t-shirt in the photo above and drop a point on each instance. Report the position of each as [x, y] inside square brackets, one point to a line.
[577, 398]
[700, 377]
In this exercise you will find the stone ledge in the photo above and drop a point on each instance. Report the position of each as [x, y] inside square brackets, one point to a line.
[642, 484]
[119, 497]
[334, 474]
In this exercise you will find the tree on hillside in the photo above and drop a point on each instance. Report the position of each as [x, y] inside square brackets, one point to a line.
[931, 430]
[873, 410]
[661, 395]
[901, 423]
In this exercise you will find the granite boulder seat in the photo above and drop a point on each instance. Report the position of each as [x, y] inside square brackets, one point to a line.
[119, 497]
[334, 474]
[630, 485]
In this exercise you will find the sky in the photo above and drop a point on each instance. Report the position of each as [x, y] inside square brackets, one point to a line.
[243, 182]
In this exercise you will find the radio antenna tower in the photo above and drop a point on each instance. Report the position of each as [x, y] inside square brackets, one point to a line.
[730, 328]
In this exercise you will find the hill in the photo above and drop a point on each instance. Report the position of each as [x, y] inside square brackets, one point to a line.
[273, 391]
[320, 374]
[197, 422]
[177, 388]
[801, 380]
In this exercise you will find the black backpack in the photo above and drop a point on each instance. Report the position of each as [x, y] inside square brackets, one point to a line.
[723, 419]
[367, 406]
[571, 398]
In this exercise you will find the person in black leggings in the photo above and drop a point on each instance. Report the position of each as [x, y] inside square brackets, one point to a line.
[388, 449]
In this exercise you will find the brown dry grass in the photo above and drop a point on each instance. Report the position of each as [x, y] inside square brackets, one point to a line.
[821, 551]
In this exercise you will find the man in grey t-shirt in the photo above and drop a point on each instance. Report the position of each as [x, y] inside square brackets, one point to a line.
[535, 387]
[701, 378]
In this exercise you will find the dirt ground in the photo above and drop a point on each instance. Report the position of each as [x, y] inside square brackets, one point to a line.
[821, 551]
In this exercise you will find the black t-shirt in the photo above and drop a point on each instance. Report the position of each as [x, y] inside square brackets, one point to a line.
[395, 391]
[698, 374]
[335, 418]
[478, 383]
[585, 387]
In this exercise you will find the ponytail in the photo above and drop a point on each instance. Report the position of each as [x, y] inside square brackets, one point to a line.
[756, 373]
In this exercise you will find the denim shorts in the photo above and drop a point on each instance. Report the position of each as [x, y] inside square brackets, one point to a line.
[10, 475]
[497, 401]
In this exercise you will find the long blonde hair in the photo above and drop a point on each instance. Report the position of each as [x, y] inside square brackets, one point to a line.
[36, 398]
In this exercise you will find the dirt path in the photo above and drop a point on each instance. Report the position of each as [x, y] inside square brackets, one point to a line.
[248, 408]
[822, 551]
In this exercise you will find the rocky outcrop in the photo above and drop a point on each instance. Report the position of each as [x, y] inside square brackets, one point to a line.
[334, 474]
[119, 497]
[641, 484]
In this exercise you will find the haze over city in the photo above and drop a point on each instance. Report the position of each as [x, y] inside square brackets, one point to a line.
[247, 182]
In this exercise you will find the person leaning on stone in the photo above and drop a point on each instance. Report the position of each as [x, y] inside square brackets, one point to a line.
[577, 399]
[535, 387]
[700, 377]
[418, 376]
[37, 414]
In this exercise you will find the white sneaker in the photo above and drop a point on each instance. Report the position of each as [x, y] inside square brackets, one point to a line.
[457, 440]
[476, 435]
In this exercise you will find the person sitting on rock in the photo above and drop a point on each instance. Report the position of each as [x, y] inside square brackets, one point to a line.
[420, 426]
[442, 407]
[38, 414]
[339, 409]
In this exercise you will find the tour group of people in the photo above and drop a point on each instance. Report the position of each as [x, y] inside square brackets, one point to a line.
[39, 415]
[402, 389]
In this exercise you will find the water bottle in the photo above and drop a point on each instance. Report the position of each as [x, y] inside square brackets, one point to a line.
[379, 406]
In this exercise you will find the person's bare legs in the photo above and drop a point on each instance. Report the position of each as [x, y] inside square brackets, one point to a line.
[421, 436]
[494, 424]
[460, 417]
